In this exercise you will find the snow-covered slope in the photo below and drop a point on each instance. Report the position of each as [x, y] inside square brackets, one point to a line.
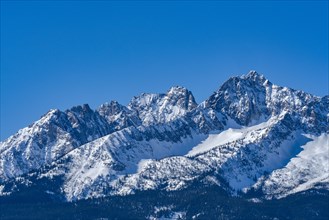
[57, 133]
[48, 139]
[305, 171]
[250, 134]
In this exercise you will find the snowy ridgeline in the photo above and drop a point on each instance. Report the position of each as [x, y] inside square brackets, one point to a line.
[250, 134]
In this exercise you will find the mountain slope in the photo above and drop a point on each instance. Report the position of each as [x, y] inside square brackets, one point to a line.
[250, 135]
[57, 133]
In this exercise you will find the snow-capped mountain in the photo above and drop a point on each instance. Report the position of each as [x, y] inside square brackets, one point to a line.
[249, 135]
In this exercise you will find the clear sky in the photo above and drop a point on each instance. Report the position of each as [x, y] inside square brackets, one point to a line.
[57, 54]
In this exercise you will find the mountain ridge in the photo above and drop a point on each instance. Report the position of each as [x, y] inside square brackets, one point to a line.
[246, 135]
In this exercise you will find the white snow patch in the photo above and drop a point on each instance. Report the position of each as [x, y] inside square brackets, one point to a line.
[309, 167]
[143, 164]
[228, 136]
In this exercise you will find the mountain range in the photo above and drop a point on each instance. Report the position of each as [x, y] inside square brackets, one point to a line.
[251, 139]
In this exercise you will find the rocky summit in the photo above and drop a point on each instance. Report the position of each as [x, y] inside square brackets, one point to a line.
[251, 140]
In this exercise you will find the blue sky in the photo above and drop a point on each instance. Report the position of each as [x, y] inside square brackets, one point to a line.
[57, 54]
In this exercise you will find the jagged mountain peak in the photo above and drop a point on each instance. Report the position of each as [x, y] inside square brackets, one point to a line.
[118, 116]
[160, 108]
[251, 97]
[165, 139]
[144, 99]
[254, 75]
[242, 98]
[81, 108]
[177, 90]
[52, 113]
[182, 97]
[252, 79]
[111, 108]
